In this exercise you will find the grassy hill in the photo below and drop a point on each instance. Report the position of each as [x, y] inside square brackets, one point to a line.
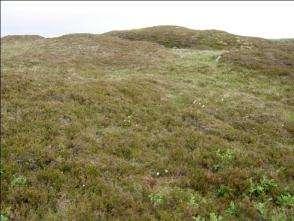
[181, 37]
[257, 53]
[124, 126]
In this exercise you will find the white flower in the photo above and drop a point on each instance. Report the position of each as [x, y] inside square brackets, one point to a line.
[157, 173]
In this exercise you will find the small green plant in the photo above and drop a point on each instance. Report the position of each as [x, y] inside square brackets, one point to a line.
[226, 155]
[216, 167]
[19, 181]
[192, 200]
[268, 184]
[261, 208]
[223, 191]
[264, 186]
[156, 199]
[215, 217]
[232, 209]
[255, 189]
[286, 200]
[127, 121]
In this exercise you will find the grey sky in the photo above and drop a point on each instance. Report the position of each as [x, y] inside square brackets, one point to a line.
[263, 19]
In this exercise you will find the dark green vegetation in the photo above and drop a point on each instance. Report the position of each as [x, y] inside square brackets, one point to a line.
[98, 127]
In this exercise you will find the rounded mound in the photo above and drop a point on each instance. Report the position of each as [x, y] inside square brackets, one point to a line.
[89, 49]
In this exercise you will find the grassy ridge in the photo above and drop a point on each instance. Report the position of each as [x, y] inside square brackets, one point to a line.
[176, 36]
[98, 127]
[271, 56]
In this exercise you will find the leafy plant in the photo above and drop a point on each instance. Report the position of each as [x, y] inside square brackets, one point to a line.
[216, 167]
[232, 209]
[192, 200]
[261, 208]
[19, 181]
[223, 191]
[286, 199]
[264, 186]
[156, 198]
[268, 184]
[226, 155]
[215, 217]
[255, 189]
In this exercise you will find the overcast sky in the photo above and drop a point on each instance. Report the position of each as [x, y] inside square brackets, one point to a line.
[263, 19]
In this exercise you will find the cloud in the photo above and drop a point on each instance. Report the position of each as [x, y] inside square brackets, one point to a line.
[263, 19]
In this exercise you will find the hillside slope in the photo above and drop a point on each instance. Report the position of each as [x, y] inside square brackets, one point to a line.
[20, 38]
[97, 127]
[83, 49]
[266, 55]
[181, 37]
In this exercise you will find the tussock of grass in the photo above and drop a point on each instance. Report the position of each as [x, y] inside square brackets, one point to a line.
[98, 127]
